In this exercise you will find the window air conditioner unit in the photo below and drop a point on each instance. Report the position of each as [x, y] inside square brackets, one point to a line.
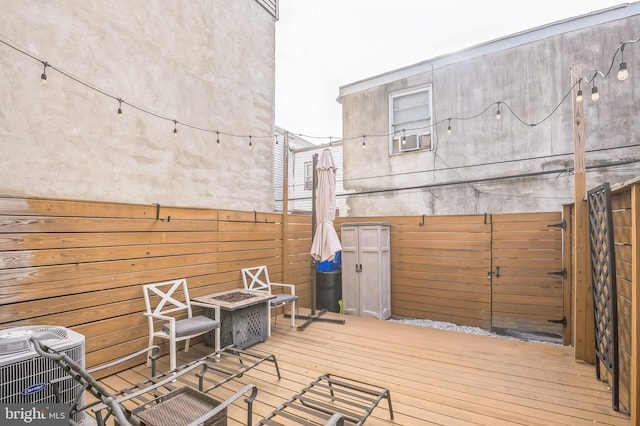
[407, 143]
[25, 375]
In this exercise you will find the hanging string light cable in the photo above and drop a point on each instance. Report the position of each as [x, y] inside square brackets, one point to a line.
[122, 101]
[623, 73]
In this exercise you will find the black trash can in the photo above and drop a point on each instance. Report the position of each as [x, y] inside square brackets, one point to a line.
[328, 290]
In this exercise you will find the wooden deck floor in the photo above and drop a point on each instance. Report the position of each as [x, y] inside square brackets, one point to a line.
[435, 377]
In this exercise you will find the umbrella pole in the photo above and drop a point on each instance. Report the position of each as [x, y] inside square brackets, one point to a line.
[314, 264]
[314, 224]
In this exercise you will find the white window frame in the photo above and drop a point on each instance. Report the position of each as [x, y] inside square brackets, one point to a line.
[308, 175]
[417, 139]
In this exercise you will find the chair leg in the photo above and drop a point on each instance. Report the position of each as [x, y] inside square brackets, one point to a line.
[293, 314]
[268, 320]
[186, 345]
[172, 356]
[150, 344]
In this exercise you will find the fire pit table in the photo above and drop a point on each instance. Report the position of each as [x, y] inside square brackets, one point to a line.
[243, 316]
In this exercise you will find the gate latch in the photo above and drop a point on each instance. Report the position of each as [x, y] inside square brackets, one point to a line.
[562, 225]
[562, 273]
[562, 321]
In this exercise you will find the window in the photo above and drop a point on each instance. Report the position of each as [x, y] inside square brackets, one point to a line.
[308, 175]
[410, 121]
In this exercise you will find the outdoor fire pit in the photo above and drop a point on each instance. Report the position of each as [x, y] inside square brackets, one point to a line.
[234, 297]
[243, 316]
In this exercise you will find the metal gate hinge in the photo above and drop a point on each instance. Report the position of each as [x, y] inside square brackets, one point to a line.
[562, 273]
[562, 321]
[562, 225]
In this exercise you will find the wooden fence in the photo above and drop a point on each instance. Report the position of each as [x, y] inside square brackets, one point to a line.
[81, 264]
[625, 203]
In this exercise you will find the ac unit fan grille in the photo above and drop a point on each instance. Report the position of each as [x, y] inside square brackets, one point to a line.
[21, 372]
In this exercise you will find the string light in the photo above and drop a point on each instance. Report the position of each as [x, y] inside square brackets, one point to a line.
[579, 95]
[175, 128]
[43, 76]
[404, 138]
[364, 141]
[595, 96]
[623, 73]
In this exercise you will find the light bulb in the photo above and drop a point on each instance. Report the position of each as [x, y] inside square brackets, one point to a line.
[449, 130]
[623, 73]
[498, 117]
[595, 96]
[404, 138]
[43, 76]
[579, 96]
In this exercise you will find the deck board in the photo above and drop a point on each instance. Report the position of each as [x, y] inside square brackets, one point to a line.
[434, 376]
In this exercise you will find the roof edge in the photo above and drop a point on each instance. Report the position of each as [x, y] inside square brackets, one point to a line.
[590, 19]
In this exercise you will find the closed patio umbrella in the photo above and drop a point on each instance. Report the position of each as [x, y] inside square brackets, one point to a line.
[325, 241]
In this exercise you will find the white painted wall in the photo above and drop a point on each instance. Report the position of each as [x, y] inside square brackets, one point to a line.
[300, 199]
[207, 63]
[531, 72]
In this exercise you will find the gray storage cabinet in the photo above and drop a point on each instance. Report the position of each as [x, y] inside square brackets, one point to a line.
[366, 269]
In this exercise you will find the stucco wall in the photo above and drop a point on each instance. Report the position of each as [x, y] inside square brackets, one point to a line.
[532, 78]
[207, 63]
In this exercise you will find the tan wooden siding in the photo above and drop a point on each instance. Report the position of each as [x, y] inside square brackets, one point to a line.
[626, 222]
[81, 264]
[439, 268]
[526, 249]
[622, 222]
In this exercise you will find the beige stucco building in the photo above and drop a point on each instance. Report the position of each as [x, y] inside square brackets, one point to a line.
[208, 65]
[411, 164]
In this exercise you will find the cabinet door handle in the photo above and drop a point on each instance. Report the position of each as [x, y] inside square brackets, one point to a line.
[358, 267]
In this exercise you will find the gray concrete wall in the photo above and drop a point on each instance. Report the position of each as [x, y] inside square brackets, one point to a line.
[207, 63]
[531, 78]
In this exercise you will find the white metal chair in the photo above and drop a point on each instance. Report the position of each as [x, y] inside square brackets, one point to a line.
[257, 278]
[169, 302]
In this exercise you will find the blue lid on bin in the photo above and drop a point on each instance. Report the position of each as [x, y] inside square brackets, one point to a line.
[331, 265]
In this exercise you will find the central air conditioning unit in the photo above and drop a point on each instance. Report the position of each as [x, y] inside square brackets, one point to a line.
[25, 375]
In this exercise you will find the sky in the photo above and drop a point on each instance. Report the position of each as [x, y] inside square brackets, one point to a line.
[324, 44]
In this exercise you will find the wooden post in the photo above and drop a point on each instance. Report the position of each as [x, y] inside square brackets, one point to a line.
[635, 305]
[582, 293]
[567, 263]
[285, 209]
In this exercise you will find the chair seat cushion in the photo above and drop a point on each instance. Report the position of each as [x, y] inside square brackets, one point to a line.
[194, 325]
[283, 298]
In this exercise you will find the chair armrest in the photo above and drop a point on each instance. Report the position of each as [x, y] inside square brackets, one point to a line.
[216, 308]
[170, 319]
[335, 420]
[291, 287]
[170, 378]
[155, 353]
[249, 400]
[159, 316]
